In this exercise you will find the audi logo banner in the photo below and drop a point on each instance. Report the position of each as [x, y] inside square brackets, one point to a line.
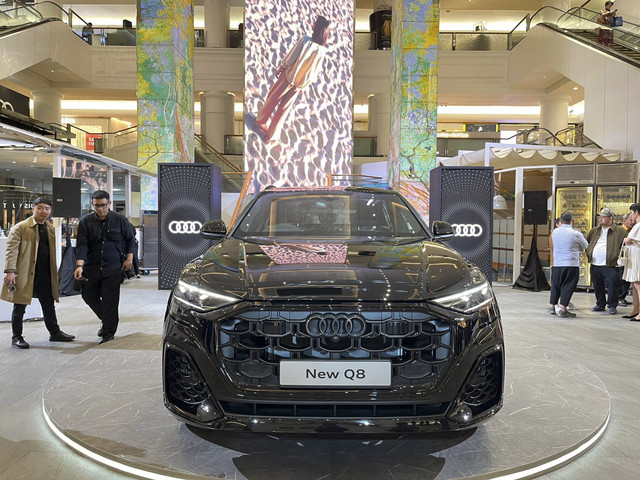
[189, 196]
[14, 101]
[463, 197]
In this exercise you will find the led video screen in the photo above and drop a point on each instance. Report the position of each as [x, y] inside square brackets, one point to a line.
[298, 91]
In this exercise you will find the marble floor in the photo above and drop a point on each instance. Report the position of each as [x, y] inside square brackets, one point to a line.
[606, 345]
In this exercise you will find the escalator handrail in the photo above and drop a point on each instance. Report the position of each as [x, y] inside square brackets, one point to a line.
[209, 149]
[25, 26]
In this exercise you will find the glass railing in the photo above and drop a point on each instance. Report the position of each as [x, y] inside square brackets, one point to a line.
[362, 146]
[12, 15]
[365, 146]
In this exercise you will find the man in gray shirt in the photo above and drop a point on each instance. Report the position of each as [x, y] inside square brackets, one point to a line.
[565, 272]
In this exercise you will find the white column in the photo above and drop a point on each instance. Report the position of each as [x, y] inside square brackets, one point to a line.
[554, 114]
[551, 15]
[379, 114]
[47, 105]
[214, 114]
[216, 23]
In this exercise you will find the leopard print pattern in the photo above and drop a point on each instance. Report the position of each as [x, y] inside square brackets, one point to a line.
[316, 138]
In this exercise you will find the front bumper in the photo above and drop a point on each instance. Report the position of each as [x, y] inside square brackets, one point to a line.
[199, 390]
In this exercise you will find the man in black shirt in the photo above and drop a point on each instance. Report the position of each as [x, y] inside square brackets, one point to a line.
[105, 245]
[30, 271]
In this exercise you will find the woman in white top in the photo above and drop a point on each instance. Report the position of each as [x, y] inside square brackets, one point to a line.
[631, 272]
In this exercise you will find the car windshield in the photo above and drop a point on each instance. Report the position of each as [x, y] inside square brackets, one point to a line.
[325, 215]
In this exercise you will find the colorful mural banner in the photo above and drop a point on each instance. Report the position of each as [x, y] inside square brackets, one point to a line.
[165, 40]
[414, 99]
[298, 91]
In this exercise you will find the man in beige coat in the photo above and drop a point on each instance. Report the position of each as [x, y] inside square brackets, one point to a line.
[30, 271]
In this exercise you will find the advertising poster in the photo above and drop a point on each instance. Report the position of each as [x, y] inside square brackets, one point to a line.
[298, 91]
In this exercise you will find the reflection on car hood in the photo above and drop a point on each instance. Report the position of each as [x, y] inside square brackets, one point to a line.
[364, 271]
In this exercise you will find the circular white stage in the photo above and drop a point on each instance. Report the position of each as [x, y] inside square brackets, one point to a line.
[107, 404]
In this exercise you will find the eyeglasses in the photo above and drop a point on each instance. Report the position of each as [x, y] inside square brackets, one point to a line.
[101, 205]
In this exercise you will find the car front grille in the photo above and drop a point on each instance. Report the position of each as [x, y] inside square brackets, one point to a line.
[251, 344]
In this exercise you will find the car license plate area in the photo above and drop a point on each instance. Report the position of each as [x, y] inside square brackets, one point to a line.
[332, 374]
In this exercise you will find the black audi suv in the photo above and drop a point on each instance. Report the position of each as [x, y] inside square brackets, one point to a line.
[332, 310]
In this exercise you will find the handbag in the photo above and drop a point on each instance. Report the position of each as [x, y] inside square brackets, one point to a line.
[623, 257]
[617, 22]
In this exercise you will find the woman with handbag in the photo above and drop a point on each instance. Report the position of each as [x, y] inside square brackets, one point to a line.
[605, 35]
[632, 264]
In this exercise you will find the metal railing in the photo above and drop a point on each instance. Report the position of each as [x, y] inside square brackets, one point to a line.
[354, 180]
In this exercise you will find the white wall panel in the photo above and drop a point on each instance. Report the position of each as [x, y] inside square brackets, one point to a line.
[615, 92]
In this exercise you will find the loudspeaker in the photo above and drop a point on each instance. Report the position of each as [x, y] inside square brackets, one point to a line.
[463, 196]
[66, 198]
[535, 208]
[189, 194]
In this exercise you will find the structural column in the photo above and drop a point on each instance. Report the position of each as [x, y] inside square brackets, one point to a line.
[165, 38]
[216, 114]
[47, 105]
[216, 23]
[554, 114]
[414, 98]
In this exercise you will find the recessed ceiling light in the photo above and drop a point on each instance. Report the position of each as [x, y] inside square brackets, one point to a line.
[575, 88]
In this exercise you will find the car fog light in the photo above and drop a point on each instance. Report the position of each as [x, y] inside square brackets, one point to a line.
[461, 414]
[206, 412]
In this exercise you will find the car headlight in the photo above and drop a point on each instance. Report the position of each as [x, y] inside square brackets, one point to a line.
[201, 299]
[467, 301]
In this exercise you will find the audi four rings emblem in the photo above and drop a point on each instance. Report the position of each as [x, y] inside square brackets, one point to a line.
[335, 325]
[186, 227]
[6, 105]
[466, 230]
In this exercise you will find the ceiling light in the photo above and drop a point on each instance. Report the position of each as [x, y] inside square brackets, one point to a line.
[575, 88]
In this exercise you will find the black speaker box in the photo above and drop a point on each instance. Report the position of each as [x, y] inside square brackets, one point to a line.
[66, 198]
[535, 207]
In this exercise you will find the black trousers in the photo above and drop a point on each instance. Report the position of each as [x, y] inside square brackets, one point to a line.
[606, 279]
[41, 290]
[103, 297]
[563, 283]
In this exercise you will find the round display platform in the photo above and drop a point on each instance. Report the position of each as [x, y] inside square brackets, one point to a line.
[107, 404]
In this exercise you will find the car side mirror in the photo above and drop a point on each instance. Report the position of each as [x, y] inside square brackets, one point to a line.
[213, 229]
[442, 230]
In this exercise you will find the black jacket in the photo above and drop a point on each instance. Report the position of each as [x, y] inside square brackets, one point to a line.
[102, 256]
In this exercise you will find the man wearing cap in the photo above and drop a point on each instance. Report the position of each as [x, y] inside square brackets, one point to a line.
[30, 271]
[602, 252]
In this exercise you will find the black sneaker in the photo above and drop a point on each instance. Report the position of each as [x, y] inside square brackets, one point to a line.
[19, 342]
[598, 308]
[60, 336]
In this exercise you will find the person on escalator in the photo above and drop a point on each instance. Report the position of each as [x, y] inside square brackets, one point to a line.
[606, 14]
[605, 35]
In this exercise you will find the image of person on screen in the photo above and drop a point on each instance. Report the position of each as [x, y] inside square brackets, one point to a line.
[299, 68]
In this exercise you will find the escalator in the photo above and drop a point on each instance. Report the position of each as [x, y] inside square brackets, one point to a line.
[581, 25]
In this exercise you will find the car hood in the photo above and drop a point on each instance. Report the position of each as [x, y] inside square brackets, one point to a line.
[358, 271]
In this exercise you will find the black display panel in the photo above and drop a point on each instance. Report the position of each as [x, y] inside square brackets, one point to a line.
[463, 196]
[189, 195]
[66, 198]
